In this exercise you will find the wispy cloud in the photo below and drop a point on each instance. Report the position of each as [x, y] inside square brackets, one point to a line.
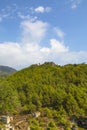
[26, 17]
[59, 32]
[8, 12]
[41, 9]
[14, 12]
[4, 16]
[20, 15]
[74, 3]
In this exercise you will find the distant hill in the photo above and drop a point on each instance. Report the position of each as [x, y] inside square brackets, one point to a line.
[6, 70]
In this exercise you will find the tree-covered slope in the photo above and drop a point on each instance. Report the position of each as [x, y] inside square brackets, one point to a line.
[60, 88]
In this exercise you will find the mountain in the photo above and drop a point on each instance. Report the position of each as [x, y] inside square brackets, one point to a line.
[59, 88]
[6, 70]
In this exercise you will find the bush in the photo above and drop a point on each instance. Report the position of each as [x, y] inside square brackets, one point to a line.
[35, 128]
[49, 128]
[51, 124]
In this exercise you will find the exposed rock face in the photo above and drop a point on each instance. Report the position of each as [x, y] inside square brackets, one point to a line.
[18, 123]
[7, 123]
[36, 114]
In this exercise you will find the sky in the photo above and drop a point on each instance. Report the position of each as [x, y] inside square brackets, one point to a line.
[38, 31]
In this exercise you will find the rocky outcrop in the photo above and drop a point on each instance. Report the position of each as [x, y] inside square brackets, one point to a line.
[16, 123]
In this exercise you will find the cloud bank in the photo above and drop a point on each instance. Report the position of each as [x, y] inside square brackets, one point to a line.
[29, 50]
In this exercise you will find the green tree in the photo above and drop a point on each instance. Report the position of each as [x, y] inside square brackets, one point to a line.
[9, 101]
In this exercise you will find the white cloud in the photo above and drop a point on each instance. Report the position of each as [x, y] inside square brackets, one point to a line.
[59, 32]
[10, 54]
[33, 31]
[17, 55]
[57, 46]
[26, 17]
[74, 3]
[20, 15]
[30, 51]
[42, 9]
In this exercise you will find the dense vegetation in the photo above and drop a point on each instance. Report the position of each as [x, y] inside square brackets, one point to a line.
[50, 88]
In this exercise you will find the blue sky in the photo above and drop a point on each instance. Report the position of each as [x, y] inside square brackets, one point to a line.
[35, 31]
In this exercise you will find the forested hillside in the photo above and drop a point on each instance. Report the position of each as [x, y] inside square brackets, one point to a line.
[55, 88]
